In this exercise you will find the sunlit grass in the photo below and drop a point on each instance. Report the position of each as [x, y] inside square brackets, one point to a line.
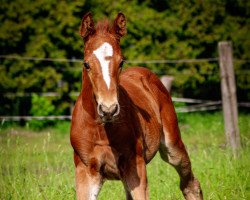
[39, 165]
[35, 166]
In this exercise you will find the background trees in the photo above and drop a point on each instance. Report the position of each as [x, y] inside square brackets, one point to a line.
[157, 30]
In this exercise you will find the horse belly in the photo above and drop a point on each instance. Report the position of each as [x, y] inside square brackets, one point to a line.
[149, 125]
[143, 94]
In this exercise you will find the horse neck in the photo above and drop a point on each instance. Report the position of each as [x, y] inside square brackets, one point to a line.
[88, 101]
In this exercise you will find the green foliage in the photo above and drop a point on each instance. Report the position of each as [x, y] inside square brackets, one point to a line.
[156, 30]
[41, 106]
[184, 30]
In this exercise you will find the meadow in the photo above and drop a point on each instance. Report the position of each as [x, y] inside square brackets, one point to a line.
[39, 164]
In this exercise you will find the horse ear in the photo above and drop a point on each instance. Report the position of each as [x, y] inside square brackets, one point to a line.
[87, 26]
[119, 26]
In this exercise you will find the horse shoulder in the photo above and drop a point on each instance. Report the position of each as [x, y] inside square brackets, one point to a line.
[90, 143]
[81, 132]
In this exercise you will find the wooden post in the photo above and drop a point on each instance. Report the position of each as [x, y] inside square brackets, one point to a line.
[229, 98]
[167, 82]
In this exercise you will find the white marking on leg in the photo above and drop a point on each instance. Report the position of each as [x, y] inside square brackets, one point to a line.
[101, 53]
[94, 190]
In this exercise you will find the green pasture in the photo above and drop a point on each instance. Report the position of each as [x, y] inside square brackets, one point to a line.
[39, 165]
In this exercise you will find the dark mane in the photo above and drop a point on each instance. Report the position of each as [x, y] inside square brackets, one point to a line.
[103, 27]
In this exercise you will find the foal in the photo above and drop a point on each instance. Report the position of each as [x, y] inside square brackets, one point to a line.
[121, 120]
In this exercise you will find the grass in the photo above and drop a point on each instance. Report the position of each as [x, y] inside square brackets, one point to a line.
[39, 165]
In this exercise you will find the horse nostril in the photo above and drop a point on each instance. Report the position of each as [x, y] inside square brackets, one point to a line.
[110, 111]
[116, 110]
[100, 110]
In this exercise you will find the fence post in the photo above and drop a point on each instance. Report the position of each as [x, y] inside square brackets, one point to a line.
[229, 98]
[167, 82]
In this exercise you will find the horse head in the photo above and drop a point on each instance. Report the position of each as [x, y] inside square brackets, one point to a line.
[103, 62]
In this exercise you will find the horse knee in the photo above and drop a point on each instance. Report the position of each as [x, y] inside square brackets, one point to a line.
[174, 154]
[179, 159]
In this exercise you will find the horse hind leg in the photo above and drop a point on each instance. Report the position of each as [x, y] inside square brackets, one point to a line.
[173, 151]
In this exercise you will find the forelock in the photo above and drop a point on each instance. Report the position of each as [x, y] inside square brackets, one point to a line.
[103, 27]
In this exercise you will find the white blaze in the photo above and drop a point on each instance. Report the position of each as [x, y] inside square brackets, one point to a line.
[101, 53]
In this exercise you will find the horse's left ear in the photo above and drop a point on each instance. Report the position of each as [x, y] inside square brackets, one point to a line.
[119, 26]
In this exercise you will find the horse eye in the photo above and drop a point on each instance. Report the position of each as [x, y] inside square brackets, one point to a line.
[86, 65]
[121, 64]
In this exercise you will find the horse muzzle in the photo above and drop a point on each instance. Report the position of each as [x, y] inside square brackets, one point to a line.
[108, 113]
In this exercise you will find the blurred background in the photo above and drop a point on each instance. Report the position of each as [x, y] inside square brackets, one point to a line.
[41, 50]
[41, 55]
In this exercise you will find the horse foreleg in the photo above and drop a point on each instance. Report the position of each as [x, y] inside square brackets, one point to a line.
[135, 179]
[128, 194]
[88, 184]
[173, 151]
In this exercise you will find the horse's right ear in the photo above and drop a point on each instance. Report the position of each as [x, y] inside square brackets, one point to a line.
[87, 26]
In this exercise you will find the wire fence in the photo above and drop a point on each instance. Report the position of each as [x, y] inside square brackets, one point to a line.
[200, 105]
[127, 61]
[196, 104]
[166, 61]
[158, 72]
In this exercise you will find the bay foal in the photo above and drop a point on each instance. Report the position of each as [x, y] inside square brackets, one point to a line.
[121, 119]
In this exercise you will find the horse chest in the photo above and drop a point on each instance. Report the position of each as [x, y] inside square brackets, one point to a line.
[114, 146]
[104, 159]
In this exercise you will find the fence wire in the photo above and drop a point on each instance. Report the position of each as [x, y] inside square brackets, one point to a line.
[201, 105]
[166, 61]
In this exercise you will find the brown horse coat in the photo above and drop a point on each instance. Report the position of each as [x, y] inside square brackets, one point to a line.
[118, 128]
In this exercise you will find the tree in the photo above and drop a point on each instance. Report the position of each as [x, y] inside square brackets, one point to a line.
[43, 29]
[157, 29]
